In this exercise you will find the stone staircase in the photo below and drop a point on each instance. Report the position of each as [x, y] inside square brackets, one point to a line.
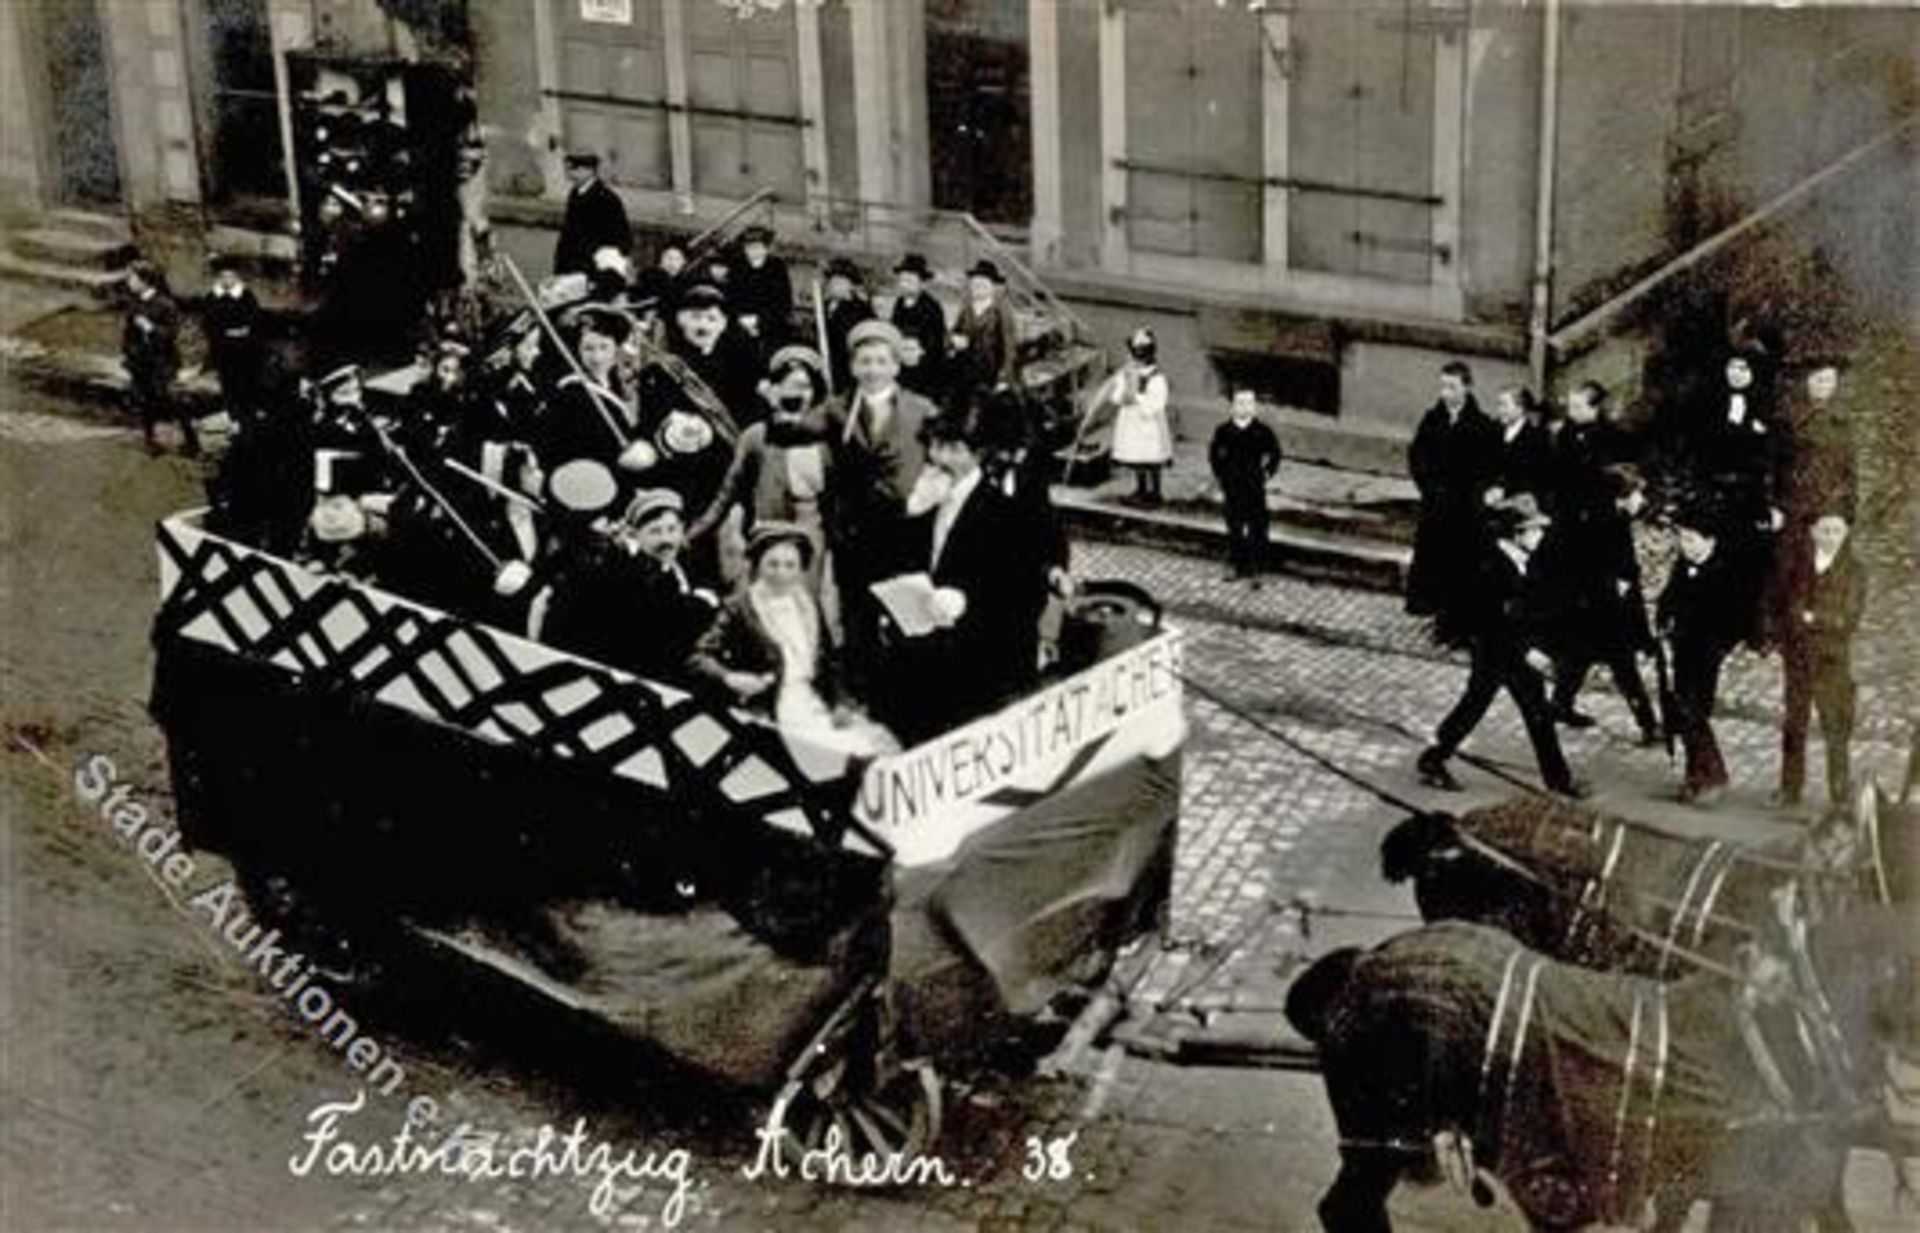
[78, 250]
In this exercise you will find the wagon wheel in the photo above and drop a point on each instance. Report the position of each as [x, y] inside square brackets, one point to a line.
[900, 1114]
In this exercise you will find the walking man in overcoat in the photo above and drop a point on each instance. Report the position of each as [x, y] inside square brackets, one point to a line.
[1451, 460]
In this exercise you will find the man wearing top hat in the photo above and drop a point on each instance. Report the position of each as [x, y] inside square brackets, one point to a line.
[1502, 619]
[762, 291]
[922, 323]
[874, 433]
[985, 338]
[595, 218]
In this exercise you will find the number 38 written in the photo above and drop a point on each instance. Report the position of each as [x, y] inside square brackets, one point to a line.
[1047, 1159]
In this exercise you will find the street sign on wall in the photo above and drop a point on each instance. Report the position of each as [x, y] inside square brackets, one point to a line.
[610, 12]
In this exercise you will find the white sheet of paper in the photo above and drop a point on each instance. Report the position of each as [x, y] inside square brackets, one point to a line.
[908, 599]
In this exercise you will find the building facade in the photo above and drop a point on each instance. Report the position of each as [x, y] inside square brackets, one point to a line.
[1346, 186]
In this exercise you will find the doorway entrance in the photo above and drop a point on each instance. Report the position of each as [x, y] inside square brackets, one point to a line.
[247, 164]
[83, 155]
[979, 109]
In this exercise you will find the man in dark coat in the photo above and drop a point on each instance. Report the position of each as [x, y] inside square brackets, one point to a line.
[1819, 472]
[1017, 467]
[624, 599]
[1702, 615]
[1828, 594]
[703, 334]
[1450, 459]
[922, 322]
[986, 338]
[1523, 448]
[762, 291]
[1601, 614]
[1581, 563]
[595, 218]
[845, 305]
[1815, 472]
[985, 653]
[1501, 616]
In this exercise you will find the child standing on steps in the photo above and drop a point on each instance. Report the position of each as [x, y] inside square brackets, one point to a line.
[1244, 455]
[150, 350]
[1142, 440]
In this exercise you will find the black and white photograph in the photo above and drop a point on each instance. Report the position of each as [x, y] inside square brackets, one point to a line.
[940, 615]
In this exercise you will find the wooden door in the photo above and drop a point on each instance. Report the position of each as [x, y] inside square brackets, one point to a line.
[743, 84]
[1360, 139]
[244, 106]
[1195, 126]
[979, 109]
[613, 89]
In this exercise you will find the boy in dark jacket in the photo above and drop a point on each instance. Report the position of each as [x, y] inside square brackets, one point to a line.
[1824, 602]
[150, 349]
[1244, 455]
[1702, 613]
[235, 343]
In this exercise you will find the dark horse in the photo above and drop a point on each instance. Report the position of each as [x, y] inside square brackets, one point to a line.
[1605, 1096]
[1609, 893]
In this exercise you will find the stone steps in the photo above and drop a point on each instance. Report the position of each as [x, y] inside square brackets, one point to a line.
[83, 249]
[104, 226]
[54, 274]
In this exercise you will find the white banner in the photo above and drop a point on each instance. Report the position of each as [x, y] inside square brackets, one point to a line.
[926, 800]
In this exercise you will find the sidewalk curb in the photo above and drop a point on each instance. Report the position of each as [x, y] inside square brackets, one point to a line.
[1371, 564]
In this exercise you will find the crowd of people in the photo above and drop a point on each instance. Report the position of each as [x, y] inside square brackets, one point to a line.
[666, 472]
[600, 465]
[1526, 556]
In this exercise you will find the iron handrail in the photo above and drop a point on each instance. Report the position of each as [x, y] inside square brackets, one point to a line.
[875, 214]
[723, 227]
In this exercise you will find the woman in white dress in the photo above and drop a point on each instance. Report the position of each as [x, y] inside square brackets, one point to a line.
[1142, 439]
[770, 653]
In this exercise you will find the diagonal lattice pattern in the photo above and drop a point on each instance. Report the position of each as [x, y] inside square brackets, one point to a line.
[339, 634]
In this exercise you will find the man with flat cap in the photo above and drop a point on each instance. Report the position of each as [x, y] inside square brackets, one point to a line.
[922, 323]
[627, 601]
[595, 218]
[703, 334]
[875, 434]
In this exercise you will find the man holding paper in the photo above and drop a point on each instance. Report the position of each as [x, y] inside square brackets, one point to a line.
[968, 592]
